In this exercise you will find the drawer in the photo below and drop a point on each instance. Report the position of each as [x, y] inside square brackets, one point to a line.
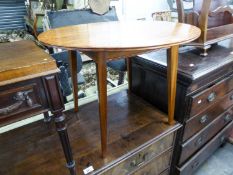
[209, 96]
[156, 166]
[197, 141]
[203, 119]
[20, 100]
[190, 166]
[139, 157]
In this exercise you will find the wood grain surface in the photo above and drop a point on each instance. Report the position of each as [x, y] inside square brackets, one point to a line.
[111, 36]
[24, 60]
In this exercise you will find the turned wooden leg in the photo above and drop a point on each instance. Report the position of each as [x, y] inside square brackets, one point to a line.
[172, 65]
[101, 74]
[47, 118]
[56, 107]
[74, 77]
[129, 73]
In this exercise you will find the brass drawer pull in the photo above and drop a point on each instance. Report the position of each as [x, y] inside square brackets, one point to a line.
[211, 97]
[20, 97]
[203, 119]
[227, 118]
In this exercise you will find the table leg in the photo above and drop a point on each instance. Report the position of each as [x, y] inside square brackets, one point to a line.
[74, 77]
[101, 73]
[56, 107]
[129, 73]
[172, 65]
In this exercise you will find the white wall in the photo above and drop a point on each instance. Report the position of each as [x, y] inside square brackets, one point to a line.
[136, 9]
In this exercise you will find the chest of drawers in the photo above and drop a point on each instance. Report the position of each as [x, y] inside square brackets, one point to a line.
[204, 99]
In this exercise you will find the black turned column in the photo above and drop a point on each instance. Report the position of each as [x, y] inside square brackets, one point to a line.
[56, 107]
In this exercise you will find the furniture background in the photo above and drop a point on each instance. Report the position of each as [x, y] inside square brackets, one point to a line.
[12, 14]
[28, 87]
[124, 40]
[213, 17]
[140, 141]
[204, 99]
[36, 10]
[54, 19]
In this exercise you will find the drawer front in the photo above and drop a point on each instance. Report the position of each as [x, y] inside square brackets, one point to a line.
[140, 157]
[190, 166]
[19, 100]
[156, 166]
[211, 95]
[203, 119]
[202, 137]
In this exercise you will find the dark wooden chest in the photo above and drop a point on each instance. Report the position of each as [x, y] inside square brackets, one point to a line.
[204, 99]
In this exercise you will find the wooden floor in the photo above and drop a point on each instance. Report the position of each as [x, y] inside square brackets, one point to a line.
[35, 149]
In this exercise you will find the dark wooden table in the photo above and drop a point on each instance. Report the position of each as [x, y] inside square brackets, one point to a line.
[112, 40]
[29, 86]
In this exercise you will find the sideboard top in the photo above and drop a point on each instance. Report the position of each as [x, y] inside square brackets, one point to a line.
[192, 66]
[23, 60]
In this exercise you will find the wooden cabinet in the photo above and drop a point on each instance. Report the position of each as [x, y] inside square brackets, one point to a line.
[29, 86]
[204, 99]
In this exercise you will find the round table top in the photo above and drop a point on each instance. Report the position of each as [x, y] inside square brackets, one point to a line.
[122, 36]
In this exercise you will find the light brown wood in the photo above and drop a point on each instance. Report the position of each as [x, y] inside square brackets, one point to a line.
[31, 62]
[74, 77]
[129, 73]
[120, 36]
[172, 65]
[102, 94]
[112, 40]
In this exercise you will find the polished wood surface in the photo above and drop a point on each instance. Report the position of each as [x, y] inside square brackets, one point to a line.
[120, 36]
[111, 40]
[172, 62]
[136, 127]
[31, 62]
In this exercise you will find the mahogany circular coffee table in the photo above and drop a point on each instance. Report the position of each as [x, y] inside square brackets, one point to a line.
[111, 40]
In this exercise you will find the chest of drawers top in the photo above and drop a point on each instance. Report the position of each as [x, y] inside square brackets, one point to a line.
[24, 60]
[195, 71]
